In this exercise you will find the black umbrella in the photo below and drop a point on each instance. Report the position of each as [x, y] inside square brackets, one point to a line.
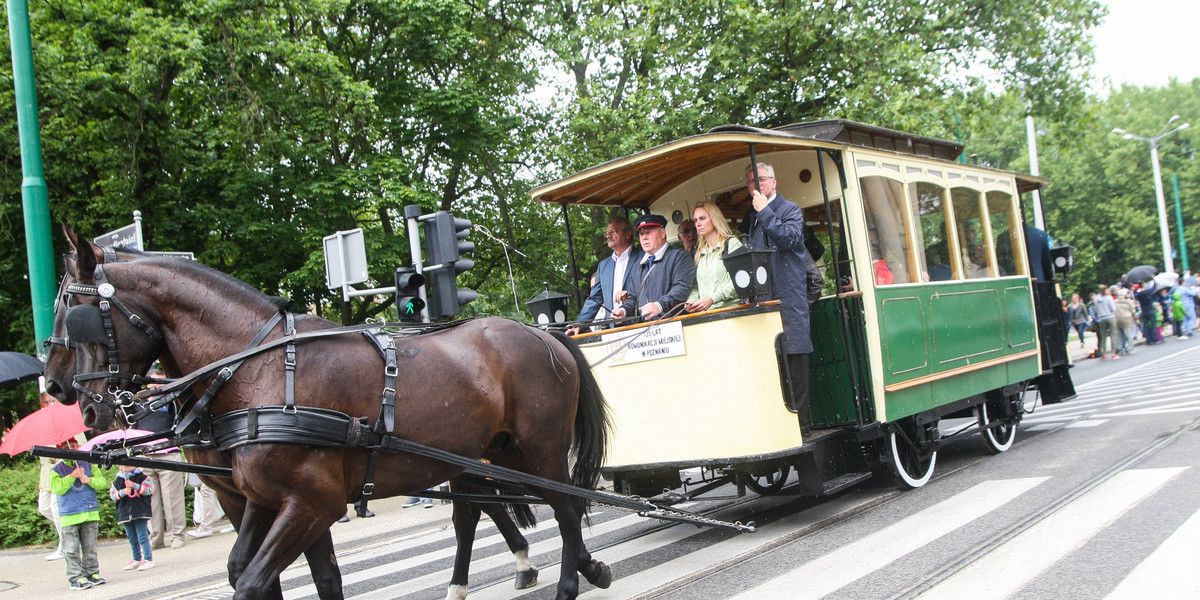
[16, 368]
[1138, 275]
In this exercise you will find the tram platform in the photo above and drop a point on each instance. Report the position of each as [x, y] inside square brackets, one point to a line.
[197, 569]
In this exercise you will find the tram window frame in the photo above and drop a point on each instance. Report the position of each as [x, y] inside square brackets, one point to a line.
[932, 222]
[975, 251]
[889, 223]
[1001, 206]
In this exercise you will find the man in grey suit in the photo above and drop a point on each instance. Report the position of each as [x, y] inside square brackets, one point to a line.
[663, 278]
[614, 273]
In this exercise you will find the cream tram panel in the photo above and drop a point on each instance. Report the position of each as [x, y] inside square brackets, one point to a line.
[721, 399]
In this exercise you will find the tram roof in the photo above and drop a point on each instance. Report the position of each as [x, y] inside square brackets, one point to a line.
[640, 178]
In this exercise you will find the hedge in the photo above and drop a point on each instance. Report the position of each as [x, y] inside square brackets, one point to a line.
[24, 526]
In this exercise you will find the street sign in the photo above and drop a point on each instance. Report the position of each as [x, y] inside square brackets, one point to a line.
[345, 258]
[129, 236]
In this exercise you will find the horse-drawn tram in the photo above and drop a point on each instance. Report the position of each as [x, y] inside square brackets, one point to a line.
[928, 312]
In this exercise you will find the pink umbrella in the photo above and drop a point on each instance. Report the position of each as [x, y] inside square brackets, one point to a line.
[116, 434]
[47, 426]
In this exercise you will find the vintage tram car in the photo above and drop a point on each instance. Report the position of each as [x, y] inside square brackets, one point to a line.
[957, 327]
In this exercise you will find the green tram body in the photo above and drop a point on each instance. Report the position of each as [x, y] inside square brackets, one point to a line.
[890, 359]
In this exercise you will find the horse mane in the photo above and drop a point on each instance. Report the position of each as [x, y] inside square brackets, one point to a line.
[213, 278]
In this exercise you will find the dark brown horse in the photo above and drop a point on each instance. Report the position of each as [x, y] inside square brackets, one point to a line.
[489, 388]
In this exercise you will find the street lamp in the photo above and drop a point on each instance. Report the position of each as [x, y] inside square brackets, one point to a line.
[1158, 190]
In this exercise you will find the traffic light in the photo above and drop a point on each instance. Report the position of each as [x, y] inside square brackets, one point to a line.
[408, 294]
[445, 242]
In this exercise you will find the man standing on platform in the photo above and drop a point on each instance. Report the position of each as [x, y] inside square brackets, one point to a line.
[776, 223]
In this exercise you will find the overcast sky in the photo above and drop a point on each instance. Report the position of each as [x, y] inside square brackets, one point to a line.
[1146, 42]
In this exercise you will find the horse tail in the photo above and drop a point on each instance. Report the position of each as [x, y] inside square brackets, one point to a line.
[522, 515]
[592, 421]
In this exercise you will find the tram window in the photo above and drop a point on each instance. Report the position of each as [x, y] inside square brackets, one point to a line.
[971, 239]
[883, 199]
[1004, 227]
[929, 201]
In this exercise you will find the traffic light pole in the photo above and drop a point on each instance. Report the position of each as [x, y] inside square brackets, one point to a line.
[411, 213]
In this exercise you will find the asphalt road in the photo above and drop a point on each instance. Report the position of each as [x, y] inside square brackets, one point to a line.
[1097, 499]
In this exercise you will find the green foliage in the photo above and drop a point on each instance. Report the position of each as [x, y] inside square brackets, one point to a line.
[23, 524]
[246, 132]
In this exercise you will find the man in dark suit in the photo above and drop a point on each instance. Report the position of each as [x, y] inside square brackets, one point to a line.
[1037, 248]
[662, 278]
[777, 223]
[614, 273]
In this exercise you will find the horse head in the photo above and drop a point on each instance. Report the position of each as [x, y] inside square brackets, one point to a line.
[101, 339]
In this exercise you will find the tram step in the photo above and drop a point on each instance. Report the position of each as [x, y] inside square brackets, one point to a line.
[842, 482]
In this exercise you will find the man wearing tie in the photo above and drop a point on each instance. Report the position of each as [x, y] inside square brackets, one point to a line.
[614, 273]
[662, 279]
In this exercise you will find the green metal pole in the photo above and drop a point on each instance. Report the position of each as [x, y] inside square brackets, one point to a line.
[1179, 221]
[36, 203]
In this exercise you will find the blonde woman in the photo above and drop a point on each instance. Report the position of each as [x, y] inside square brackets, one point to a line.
[713, 288]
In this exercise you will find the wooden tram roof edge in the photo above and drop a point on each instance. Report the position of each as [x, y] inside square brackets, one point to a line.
[958, 371]
[640, 178]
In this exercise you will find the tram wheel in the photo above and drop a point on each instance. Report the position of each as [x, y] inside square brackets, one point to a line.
[911, 467]
[766, 485]
[999, 438]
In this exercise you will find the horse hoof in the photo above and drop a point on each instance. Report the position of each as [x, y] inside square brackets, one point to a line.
[604, 578]
[526, 579]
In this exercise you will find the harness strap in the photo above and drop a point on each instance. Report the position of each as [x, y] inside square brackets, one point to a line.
[289, 363]
[385, 344]
[199, 411]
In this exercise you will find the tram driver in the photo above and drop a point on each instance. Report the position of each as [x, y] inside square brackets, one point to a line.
[663, 278]
[776, 222]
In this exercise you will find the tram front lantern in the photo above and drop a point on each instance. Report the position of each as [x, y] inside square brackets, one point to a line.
[750, 270]
[408, 294]
[548, 307]
[1063, 258]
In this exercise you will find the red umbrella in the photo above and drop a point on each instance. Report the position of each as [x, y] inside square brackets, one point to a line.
[47, 426]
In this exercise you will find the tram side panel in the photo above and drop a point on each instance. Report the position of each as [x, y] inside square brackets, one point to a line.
[946, 342]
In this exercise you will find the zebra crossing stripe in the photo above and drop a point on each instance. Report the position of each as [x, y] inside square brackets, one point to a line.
[726, 552]
[853, 561]
[1011, 566]
[538, 550]
[1170, 572]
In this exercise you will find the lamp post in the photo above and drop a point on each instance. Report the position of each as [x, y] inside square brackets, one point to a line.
[1168, 262]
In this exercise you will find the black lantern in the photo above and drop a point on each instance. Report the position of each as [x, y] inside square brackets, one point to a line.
[548, 307]
[750, 270]
[1063, 258]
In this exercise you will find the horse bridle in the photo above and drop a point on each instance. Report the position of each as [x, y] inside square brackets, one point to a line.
[93, 323]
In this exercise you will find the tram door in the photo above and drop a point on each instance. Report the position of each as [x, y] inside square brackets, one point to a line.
[838, 371]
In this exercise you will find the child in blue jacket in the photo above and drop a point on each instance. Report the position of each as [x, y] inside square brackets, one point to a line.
[75, 486]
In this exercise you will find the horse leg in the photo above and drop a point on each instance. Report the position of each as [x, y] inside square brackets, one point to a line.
[568, 512]
[322, 562]
[254, 523]
[295, 529]
[597, 573]
[465, 519]
[527, 572]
